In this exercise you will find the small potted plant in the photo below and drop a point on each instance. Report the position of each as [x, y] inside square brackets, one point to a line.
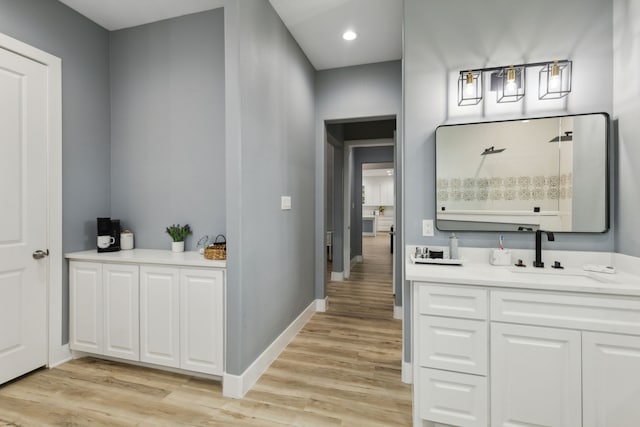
[381, 210]
[178, 233]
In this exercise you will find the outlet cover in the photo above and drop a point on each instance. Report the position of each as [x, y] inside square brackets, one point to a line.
[285, 203]
[427, 227]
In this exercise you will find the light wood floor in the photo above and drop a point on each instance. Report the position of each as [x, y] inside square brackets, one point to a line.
[343, 369]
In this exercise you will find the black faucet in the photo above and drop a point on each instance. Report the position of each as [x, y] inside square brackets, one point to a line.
[550, 237]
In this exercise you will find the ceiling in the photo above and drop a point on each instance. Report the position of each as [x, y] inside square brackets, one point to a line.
[118, 14]
[317, 25]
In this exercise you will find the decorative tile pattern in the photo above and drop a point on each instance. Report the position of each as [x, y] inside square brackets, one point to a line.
[537, 194]
[524, 181]
[524, 194]
[538, 181]
[510, 189]
[469, 195]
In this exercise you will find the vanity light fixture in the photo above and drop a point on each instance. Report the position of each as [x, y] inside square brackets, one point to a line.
[509, 82]
[510, 86]
[469, 87]
[349, 35]
[554, 80]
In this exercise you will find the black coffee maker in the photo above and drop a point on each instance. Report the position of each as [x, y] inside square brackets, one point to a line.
[108, 235]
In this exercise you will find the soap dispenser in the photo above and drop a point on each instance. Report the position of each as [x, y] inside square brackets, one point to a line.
[453, 246]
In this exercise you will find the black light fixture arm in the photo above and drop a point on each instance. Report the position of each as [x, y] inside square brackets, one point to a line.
[502, 67]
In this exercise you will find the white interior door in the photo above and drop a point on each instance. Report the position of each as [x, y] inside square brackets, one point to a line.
[23, 215]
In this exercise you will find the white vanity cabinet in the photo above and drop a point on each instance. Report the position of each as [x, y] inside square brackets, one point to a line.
[167, 315]
[490, 356]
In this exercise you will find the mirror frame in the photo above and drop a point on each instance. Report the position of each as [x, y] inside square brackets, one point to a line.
[607, 225]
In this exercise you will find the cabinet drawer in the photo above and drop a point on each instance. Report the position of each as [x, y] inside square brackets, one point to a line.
[453, 344]
[567, 311]
[452, 301]
[453, 398]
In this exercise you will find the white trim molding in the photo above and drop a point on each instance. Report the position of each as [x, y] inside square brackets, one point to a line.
[397, 312]
[236, 386]
[322, 304]
[57, 352]
[356, 259]
[407, 372]
[337, 276]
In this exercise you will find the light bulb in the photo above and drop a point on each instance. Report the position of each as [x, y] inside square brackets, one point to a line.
[469, 88]
[511, 80]
[554, 77]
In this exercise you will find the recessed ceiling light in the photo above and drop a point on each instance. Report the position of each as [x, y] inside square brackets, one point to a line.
[350, 35]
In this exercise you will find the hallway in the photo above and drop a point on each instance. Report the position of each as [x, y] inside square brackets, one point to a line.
[342, 369]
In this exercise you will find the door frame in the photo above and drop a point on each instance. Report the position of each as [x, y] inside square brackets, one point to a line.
[57, 352]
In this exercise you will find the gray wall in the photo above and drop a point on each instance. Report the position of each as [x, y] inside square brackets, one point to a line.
[167, 128]
[363, 155]
[270, 153]
[84, 49]
[445, 37]
[373, 90]
[626, 108]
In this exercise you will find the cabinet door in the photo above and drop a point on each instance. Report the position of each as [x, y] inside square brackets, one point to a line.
[85, 307]
[386, 192]
[535, 376]
[121, 321]
[160, 315]
[611, 380]
[202, 320]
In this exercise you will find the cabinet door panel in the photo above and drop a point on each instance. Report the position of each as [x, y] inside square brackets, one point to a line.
[85, 311]
[160, 315]
[611, 380]
[201, 320]
[535, 376]
[121, 308]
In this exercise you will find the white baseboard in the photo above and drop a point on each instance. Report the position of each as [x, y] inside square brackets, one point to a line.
[397, 312]
[356, 259]
[407, 373]
[322, 304]
[337, 276]
[236, 386]
[61, 355]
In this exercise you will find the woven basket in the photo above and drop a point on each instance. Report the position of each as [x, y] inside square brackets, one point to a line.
[218, 249]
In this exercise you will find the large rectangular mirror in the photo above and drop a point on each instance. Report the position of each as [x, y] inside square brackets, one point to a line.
[545, 173]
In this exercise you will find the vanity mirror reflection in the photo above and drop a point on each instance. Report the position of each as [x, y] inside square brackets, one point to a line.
[541, 173]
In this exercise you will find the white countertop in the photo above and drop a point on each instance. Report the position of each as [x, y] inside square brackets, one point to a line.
[570, 279]
[148, 256]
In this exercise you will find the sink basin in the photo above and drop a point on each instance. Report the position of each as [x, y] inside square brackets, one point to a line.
[560, 276]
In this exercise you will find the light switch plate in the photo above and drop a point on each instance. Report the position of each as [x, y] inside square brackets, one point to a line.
[427, 227]
[285, 203]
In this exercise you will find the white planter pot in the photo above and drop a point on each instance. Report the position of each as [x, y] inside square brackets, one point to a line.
[177, 246]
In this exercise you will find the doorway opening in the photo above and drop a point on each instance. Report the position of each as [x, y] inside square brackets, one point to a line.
[360, 201]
